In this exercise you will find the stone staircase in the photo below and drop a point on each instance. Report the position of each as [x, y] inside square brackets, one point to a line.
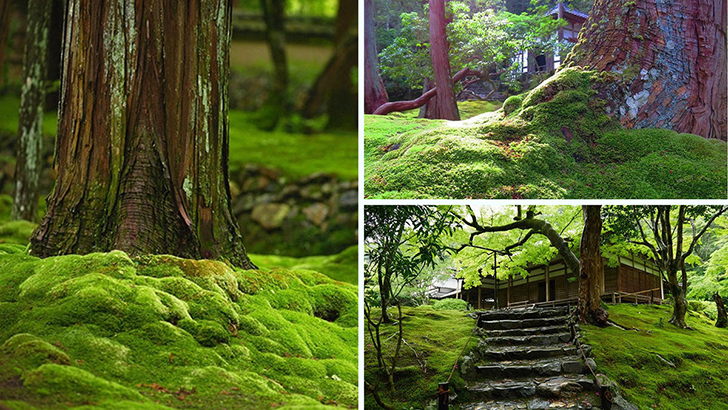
[526, 359]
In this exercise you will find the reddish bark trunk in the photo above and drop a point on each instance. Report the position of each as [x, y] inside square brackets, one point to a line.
[393, 106]
[591, 269]
[672, 56]
[448, 109]
[142, 141]
[374, 92]
[720, 307]
[274, 16]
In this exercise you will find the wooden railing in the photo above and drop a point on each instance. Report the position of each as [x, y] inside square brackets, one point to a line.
[551, 303]
[637, 297]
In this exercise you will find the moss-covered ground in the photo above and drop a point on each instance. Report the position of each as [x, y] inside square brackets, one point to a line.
[700, 357]
[341, 266]
[437, 337]
[110, 331]
[559, 142]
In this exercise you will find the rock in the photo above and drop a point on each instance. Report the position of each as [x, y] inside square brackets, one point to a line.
[234, 189]
[349, 200]
[316, 213]
[270, 216]
[558, 387]
[571, 366]
[317, 178]
[538, 404]
[312, 192]
[467, 367]
[256, 184]
[591, 363]
[620, 403]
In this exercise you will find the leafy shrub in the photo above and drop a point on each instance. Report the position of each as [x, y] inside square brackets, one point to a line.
[450, 304]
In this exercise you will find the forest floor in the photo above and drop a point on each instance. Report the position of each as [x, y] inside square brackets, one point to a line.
[555, 141]
[109, 331]
[629, 357]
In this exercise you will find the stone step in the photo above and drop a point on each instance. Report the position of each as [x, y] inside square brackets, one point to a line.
[537, 340]
[524, 313]
[554, 387]
[528, 331]
[504, 353]
[527, 404]
[522, 323]
[531, 368]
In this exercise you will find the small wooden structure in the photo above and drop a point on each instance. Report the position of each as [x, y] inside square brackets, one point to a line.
[533, 62]
[634, 280]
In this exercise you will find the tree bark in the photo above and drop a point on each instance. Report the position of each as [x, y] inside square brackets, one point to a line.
[29, 154]
[334, 88]
[591, 275]
[671, 55]
[374, 92]
[393, 106]
[722, 316]
[142, 143]
[448, 109]
[274, 16]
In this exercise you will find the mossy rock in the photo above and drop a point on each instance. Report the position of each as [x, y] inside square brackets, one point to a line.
[104, 328]
[560, 142]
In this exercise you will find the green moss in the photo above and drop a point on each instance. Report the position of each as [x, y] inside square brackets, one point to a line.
[101, 328]
[512, 104]
[560, 143]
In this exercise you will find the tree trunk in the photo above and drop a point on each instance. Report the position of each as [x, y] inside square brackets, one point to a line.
[29, 154]
[374, 92]
[591, 275]
[448, 109]
[334, 89]
[142, 143]
[4, 33]
[680, 303]
[671, 55]
[722, 316]
[274, 16]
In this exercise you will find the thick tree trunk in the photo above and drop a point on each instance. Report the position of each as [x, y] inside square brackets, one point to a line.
[334, 89]
[374, 92]
[680, 303]
[274, 16]
[722, 316]
[28, 164]
[448, 109]
[591, 276]
[671, 55]
[142, 143]
[4, 32]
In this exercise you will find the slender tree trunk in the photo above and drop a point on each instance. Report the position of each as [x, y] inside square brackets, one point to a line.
[441, 63]
[591, 276]
[671, 55]
[142, 143]
[29, 155]
[722, 316]
[4, 33]
[276, 105]
[334, 90]
[374, 92]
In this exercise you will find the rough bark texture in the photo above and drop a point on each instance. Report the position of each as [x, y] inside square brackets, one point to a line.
[591, 275]
[425, 98]
[672, 57]
[441, 63]
[4, 32]
[274, 16]
[142, 141]
[374, 92]
[722, 316]
[334, 88]
[30, 122]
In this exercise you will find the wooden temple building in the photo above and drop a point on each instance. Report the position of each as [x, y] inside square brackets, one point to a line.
[635, 280]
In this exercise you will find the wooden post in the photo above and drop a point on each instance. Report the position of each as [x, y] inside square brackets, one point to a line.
[508, 292]
[495, 292]
[619, 275]
[443, 392]
[479, 297]
[546, 273]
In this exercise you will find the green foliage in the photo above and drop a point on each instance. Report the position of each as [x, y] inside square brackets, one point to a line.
[450, 304]
[561, 144]
[630, 358]
[102, 328]
[438, 336]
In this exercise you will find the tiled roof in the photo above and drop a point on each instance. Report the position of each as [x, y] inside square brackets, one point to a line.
[576, 13]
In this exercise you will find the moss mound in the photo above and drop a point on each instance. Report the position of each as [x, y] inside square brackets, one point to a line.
[630, 358]
[109, 331]
[560, 142]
